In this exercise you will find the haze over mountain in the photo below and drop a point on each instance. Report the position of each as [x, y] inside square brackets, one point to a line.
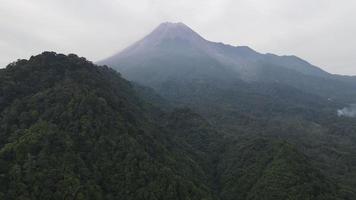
[177, 39]
[174, 51]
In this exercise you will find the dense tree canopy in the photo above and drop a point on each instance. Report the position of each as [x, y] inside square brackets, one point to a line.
[72, 130]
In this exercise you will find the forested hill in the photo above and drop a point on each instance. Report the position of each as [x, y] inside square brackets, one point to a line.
[72, 130]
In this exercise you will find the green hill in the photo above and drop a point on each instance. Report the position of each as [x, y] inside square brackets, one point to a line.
[72, 130]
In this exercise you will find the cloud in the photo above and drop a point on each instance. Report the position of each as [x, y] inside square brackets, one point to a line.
[320, 31]
[347, 111]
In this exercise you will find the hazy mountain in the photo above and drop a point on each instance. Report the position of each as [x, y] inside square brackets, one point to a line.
[173, 51]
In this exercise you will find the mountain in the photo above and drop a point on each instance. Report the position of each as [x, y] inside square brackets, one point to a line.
[174, 51]
[178, 40]
[245, 94]
[70, 129]
[73, 130]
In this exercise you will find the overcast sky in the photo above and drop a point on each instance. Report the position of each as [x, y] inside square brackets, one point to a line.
[320, 31]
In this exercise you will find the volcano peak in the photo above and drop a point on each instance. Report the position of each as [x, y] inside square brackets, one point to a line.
[171, 30]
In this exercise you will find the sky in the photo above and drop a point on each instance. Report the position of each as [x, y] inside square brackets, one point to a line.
[320, 31]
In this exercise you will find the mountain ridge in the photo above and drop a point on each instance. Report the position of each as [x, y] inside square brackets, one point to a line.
[174, 31]
[152, 61]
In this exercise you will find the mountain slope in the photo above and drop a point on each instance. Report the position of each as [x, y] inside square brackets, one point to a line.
[261, 169]
[80, 132]
[73, 130]
[175, 52]
[247, 94]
